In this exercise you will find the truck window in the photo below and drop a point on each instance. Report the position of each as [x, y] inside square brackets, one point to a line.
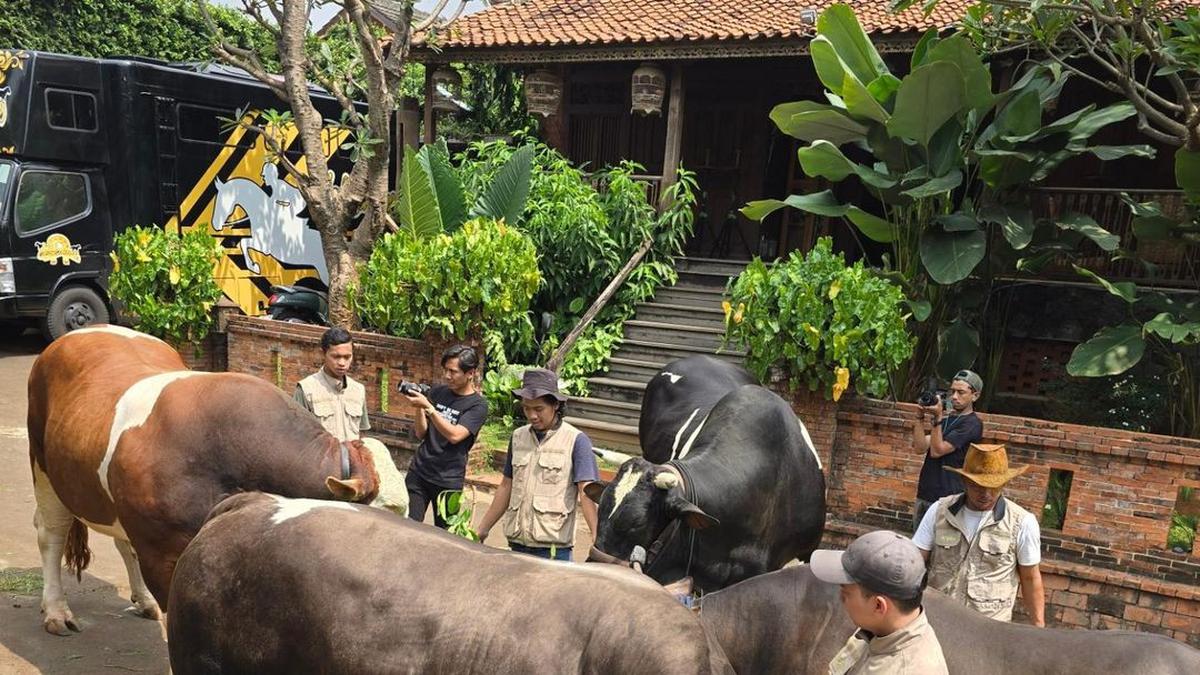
[6, 173]
[71, 110]
[199, 124]
[47, 199]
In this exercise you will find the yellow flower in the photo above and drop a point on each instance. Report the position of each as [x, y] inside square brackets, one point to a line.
[841, 382]
[727, 307]
[116, 263]
[741, 310]
[143, 238]
[142, 256]
[811, 329]
[835, 288]
[173, 275]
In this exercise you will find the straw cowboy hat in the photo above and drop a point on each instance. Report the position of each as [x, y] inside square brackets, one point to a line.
[987, 465]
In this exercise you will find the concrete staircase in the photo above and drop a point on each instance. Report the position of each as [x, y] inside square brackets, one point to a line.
[681, 320]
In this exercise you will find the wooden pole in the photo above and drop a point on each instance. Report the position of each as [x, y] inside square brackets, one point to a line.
[560, 354]
[430, 116]
[674, 145]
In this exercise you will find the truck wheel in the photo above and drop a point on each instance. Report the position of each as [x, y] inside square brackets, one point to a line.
[73, 307]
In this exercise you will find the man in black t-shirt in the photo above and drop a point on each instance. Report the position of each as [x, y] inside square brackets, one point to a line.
[449, 418]
[947, 441]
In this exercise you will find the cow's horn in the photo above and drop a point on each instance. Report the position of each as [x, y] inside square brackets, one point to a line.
[666, 480]
[612, 456]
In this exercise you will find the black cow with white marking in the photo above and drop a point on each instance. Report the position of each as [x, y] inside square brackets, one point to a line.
[730, 485]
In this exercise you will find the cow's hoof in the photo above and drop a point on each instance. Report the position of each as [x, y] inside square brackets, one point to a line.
[146, 610]
[61, 625]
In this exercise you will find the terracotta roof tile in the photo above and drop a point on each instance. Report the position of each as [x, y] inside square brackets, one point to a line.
[533, 23]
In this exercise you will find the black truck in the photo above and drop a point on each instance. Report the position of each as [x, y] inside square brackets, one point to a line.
[91, 146]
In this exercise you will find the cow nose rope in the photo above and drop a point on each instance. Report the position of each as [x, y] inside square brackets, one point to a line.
[345, 460]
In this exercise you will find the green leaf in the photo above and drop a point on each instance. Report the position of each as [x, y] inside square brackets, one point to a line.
[1111, 351]
[920, 309]
[951, 256]
[876, 228]
[1126, 290]
[1005, 168]
[927, 41]
[828, 125]
[945, 149]
[820, 203]
[957, 222]
[1093, 122]
[1187, 172]
[824, 160]
[1016, 222]
[830, 70]
[884, 87]
[450, 197]
[927, 98]
[977, 80]
[417, 205]
[859, 101]
[1088, 227]
[506, 194]
[1165, 326]
[839, 25]
[1111, 152]
[958, 346]
[781, 114]
[935, 186]
[1022, 115]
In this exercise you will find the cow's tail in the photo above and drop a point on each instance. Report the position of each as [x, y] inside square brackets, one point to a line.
[78, 555]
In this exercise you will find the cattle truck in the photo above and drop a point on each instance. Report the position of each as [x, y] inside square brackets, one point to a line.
[89, 147]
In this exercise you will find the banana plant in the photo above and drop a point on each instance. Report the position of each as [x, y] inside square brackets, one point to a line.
[431, 199]
[947, 158]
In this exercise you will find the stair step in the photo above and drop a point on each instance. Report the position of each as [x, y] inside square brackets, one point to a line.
[633, 369]
[708, 338]
[619, 437]
[705, 298]
[612, 389]
[656, 351]
[726, 267]
[712, 280]
[665, 312]
[605, 410]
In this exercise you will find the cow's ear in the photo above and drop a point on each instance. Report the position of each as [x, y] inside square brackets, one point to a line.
[595, 490]
[349, 490]
[691, 515]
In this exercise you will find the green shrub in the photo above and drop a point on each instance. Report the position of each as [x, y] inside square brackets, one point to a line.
[498, 384]
[166, 281]
[481, 278]
[822, 323]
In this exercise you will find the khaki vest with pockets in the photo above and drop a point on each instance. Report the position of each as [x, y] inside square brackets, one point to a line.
[541, 509]
[981, 574]
[340, 414]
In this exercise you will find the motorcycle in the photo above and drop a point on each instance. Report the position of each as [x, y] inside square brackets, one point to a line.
[297, 304]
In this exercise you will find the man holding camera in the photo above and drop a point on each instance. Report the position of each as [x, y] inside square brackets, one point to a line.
[955, 426]
[331, 394]
[450, 416]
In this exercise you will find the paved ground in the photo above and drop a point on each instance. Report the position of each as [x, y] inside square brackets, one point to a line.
[112, 639]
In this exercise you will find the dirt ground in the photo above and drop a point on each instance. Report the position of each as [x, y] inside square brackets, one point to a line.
[112, 640]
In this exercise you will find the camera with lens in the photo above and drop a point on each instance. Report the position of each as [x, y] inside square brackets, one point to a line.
[409, 388]
[931, 394]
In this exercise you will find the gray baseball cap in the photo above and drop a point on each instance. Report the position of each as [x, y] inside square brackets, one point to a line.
[882, 562]
[972, 379]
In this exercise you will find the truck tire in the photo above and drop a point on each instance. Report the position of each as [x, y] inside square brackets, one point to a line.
[73, 307]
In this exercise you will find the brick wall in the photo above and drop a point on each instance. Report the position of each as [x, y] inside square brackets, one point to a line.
[284, 353]
[1108, 566]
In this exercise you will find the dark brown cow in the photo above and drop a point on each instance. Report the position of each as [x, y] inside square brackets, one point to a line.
[275, 585]
[789, 622]
[124, 439]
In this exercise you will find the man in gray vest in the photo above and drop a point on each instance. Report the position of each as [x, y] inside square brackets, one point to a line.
[980, 547]
[549, 463]
[882, 576]
[330, 394]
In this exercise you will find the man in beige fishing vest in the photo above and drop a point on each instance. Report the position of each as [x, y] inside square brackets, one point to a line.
[330, 394]
[549, 463]
[882, 576]
[980, 547]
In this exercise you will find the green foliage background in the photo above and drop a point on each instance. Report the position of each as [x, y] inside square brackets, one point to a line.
[166, 281]
[165, 29]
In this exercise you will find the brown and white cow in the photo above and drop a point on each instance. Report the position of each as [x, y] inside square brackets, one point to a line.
[124, 439]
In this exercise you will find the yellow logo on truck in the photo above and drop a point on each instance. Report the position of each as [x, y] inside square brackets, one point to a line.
[8, 61]
[57, 247]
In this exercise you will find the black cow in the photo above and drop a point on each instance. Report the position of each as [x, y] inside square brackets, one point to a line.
[275, 585]
[789, 622]
[742, 492]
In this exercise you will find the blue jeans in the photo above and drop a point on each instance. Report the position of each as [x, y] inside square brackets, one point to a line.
[562, 553]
